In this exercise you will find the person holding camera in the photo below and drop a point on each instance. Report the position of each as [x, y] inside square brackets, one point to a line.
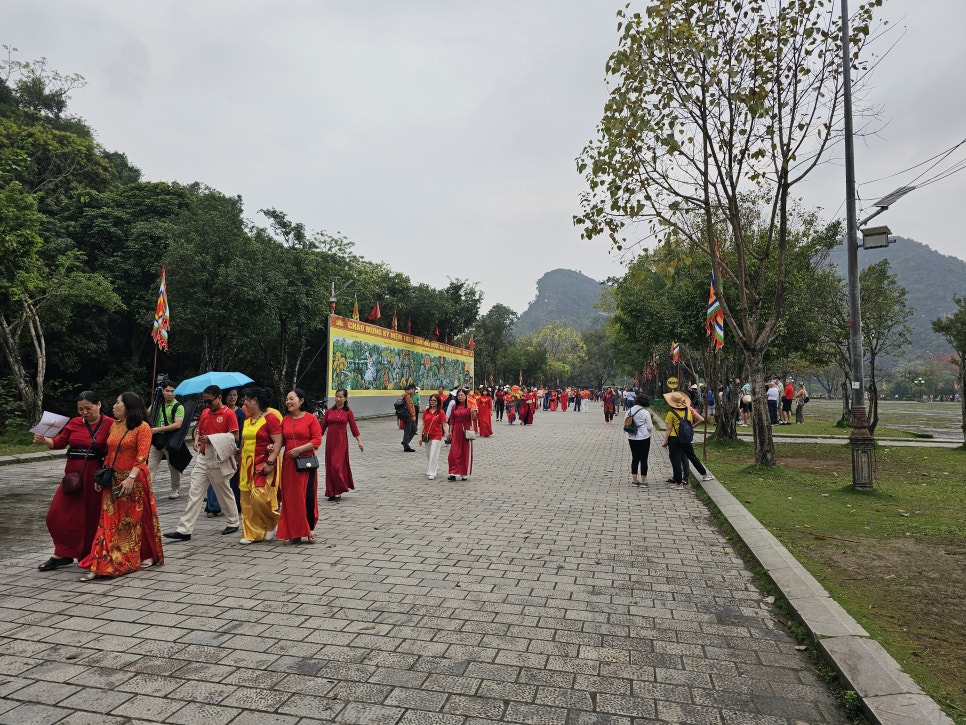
[166, 416]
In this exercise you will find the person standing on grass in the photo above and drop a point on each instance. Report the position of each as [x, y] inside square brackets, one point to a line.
[773, 394]
[788, 395]
[801, 397]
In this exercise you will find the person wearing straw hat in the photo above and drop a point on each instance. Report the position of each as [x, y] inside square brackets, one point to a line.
[678, 448]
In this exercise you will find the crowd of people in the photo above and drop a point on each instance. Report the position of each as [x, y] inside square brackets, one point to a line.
[258, 467]
[252, 464]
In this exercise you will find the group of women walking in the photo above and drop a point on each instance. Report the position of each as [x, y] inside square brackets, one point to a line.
[458, 423]
[106, 518]
[110, 525]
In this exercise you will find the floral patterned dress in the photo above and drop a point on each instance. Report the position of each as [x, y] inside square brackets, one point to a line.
[128, 531]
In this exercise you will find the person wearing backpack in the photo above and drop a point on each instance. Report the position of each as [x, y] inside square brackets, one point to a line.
[679, 437]
[638, 426]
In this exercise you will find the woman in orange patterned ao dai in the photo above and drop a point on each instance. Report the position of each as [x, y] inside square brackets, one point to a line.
[128, 533]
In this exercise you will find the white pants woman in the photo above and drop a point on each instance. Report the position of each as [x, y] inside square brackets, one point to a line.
[432, 457]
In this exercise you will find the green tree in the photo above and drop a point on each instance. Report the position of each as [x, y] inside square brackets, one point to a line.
[30, 287]
[885, 323]
[600, 363]
[213, 267]
[563, 345]
[493, 335]
[294, 297]
[716, 112]
[953, 328]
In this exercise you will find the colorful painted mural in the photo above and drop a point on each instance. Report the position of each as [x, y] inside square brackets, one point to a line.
[372, 360]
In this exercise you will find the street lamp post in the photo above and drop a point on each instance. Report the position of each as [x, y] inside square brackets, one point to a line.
[861, 439]
[922, 387]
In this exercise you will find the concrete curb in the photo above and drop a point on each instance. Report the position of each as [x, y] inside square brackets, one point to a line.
[889, 696]
[31, 457]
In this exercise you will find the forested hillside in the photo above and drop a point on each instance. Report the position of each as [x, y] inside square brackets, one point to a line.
[82, 243]
[564, 296]
[930, 278]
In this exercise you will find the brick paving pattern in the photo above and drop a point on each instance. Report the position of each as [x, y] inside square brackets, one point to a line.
[545, 590]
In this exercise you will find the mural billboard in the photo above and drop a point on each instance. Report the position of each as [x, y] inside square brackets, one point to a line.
[375, 361]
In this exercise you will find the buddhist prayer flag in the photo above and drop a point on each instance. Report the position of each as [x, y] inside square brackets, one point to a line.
[162, 316]
[375, 314]
[355, 310]
[675, 352]
[714, 321]
[471, 345]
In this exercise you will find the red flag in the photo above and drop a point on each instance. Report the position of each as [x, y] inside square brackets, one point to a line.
[355, 310]
[409, 325]
[394, 326]
[471, 345]
[162, 316]
[436, 332]
[375, 314]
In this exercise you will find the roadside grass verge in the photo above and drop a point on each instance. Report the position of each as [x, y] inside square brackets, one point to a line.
[14, 442]
[894, 557]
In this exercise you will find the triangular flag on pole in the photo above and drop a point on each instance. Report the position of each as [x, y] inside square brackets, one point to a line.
[162, 316]
[375, 314]
[714, 321]
[436, 332]
[471, 345]
[355, 310]
[394, 324]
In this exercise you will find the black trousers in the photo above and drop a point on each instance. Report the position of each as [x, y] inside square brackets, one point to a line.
[639, 453]
[409, 431]
[678, 452]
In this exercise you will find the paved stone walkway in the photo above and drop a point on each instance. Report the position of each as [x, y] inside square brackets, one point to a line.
[545, 589]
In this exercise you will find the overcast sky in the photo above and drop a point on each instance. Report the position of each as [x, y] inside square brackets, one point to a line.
[439, 136]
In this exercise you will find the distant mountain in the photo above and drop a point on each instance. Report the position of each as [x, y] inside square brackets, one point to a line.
[930, 278]
[563, 295]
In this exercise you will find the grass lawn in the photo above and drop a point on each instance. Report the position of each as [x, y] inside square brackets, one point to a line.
[19, 441]
[894, 557]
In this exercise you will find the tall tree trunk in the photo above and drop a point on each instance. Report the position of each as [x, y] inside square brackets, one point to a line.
[726, 425]
[760, 422]
[846, 419]
[873, 391]
[31, 392]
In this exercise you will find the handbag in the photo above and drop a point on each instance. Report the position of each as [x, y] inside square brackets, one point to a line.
[73, 482]
[469, 434]
[260, 479]
[104, 476]
[424, 437]
[304, 463]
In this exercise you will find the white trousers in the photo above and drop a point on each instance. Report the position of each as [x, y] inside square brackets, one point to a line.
[201, 477]
[432, 456]
[154, 459]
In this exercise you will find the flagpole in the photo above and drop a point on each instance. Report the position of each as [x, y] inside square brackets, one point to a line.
[707, 378]
[154, 372]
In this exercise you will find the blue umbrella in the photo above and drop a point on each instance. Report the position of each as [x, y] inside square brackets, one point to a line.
[224, 381]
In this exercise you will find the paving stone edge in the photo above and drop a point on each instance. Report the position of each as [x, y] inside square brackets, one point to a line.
[889, 696]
